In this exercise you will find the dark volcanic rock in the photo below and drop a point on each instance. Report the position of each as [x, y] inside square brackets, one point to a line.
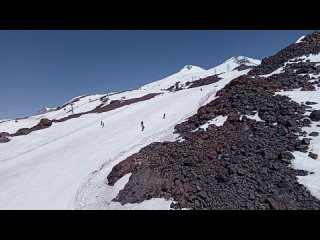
[204, 81]
[45, 122]
[4, 137]
[120, 170]
[314, 134]
[274, 62]
[189, 163]
[302, 148]
[23, 131]
[203, 195]
[286, 157]
[4, 134]
[313, 155]
[243, 67]
[175, 87]
[281, 201]
[114, 101]
[221, 178]
[315, 115]
[308, 87]
[305, 141]
[311, 103]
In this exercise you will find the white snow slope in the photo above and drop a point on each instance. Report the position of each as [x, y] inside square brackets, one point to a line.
[192, 73]
[65, 165]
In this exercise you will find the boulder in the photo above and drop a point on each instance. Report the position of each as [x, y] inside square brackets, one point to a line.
[189, 163]
[314, 134]
[45, 122]
[313, 155]
[306, 141]
[315, 115]
[23, 131]
[4, 139]
[311, 103]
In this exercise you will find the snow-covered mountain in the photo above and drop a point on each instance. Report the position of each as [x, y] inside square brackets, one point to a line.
[191, 73]
[45, 110]
[50, 168]
[66, 159]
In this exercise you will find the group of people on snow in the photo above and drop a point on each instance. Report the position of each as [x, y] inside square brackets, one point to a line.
[142, 126]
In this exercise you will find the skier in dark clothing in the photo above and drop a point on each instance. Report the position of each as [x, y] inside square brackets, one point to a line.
[201, 89]
[164, 116]
[102, 124]
[142, 127]
[141, 123]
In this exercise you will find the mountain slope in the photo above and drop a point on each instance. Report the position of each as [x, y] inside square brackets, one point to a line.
[244, 162]
[230, 144]
[46, 169]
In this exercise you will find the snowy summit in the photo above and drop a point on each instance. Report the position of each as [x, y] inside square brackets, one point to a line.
[190, 69]
[190, 73]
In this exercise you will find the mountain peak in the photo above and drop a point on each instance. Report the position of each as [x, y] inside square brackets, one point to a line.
[190, 69]
[243, 60]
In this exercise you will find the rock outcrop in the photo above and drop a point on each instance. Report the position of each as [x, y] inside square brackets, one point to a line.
[309, 45]
[44, 123]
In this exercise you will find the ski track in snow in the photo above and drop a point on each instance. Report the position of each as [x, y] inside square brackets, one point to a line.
[93, 187]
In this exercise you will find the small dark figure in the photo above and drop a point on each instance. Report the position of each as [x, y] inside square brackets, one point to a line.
[102, 124]
[164, 116]
[142, 127]
[201, 89]
[141, 123]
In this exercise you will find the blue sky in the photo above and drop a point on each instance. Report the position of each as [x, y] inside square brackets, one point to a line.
[47, 68]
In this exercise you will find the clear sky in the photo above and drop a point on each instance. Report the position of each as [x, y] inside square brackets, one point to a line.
[47, 68]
